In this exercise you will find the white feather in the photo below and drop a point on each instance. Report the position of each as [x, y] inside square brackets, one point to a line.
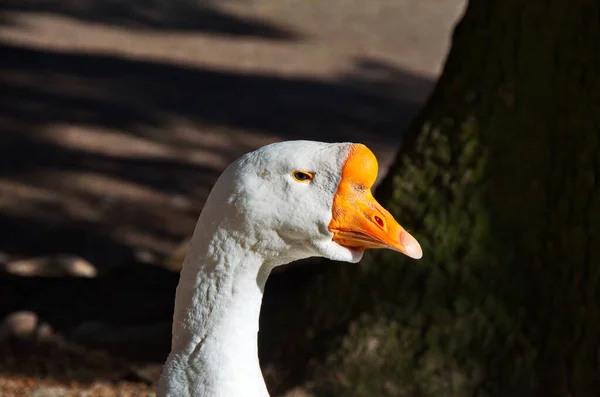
[256, 217]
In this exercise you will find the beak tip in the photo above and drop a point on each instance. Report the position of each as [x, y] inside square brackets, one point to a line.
[414, 251]
[412, 248]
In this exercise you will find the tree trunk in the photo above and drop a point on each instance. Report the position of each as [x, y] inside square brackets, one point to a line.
[498, 180]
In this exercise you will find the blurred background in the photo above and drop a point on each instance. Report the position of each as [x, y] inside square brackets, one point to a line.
[116, 117]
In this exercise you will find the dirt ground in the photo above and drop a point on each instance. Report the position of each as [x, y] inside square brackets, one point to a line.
[116, 117]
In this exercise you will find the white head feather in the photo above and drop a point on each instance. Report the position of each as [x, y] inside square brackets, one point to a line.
[257, 216]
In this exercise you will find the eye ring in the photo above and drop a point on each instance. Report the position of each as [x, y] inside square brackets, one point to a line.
[302, 176]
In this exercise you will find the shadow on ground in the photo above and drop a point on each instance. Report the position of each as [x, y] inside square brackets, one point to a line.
[110, 159]
[154, 15]
[91, 144]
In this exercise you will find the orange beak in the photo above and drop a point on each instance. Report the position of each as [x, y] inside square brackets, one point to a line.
[358, 220]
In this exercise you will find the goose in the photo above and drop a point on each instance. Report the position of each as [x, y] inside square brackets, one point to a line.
[280, 203]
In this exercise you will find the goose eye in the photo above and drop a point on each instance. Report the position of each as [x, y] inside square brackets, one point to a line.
[302, 176]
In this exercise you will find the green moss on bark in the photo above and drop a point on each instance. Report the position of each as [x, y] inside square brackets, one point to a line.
[498, 181]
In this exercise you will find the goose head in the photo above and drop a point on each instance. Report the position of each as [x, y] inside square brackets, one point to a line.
[280, 203]
[299, 199]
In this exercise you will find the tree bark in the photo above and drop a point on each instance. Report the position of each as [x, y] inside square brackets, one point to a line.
[498, 179]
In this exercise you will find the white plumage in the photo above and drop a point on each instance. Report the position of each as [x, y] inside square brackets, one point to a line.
[280, 203]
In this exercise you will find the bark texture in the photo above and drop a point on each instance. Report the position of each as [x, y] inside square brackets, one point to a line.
[499, 181]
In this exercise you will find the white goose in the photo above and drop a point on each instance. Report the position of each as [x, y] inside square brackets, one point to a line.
[283, 202]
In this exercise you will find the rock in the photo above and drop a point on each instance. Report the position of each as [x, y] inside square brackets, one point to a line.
[51, 391]
[44, 332]
[25, 325]
[77, 267]
[146, 256]
[51, 266]
[23, 267]
[181, 202]
[22, 325]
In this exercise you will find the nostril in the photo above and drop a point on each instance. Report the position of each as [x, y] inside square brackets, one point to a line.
[379, 221]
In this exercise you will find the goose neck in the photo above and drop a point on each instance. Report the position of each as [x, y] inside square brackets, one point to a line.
[215, 325]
